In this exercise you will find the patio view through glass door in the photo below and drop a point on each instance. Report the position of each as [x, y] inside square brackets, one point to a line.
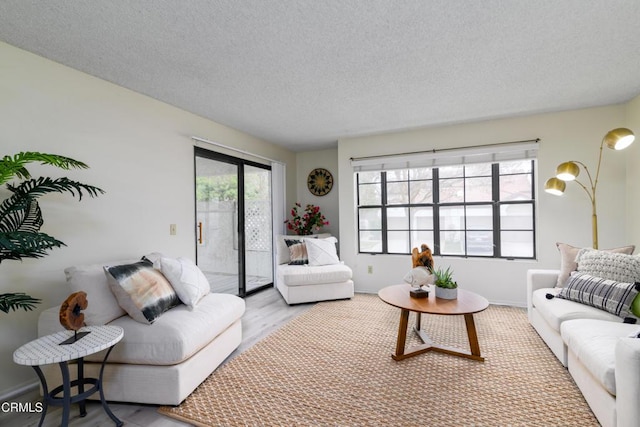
[233, 223]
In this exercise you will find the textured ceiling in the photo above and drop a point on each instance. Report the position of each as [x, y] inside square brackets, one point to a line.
[303, 73]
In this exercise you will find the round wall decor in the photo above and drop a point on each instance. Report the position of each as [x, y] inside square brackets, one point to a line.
[320, 182]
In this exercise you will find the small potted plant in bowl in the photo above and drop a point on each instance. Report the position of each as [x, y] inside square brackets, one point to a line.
[446, 287]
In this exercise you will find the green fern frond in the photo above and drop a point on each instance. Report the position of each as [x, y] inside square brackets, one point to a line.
[18, 213]
[15, 166]
[23, 244]
[15, 301]
[37, 187]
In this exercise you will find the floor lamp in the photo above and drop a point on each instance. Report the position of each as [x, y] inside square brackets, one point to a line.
[616, 139]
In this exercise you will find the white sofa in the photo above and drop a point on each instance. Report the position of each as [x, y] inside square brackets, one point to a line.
[594, 345]
[160, 363]
[304, 283]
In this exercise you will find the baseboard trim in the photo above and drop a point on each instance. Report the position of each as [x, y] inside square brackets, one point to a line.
[18, 391]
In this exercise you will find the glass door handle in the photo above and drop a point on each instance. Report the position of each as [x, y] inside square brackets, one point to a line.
[200, 232]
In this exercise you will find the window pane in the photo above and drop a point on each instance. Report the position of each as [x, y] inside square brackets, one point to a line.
[515, 187]
[398, 218]
[370, 218]
[479, 217]
[421, 173]
[398, 193]
[478, 189]
[517, 243]
[516, 217]
[368, 177]
[451, 190]
[480, 243]
[518, 166]
[421, 191]
[370, 241]
[451, 172]
[452, 218]
[370, 194]
[422, 218]
[398, 242]
[398, 175]
[481, 169]
[418, 237]
[452, 242]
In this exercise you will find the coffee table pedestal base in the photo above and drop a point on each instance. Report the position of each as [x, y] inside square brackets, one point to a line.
[429, 345]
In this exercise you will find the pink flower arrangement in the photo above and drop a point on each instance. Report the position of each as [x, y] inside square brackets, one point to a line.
[306, 223]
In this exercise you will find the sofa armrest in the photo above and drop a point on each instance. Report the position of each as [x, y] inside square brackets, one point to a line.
[538, 279]
[627, 382]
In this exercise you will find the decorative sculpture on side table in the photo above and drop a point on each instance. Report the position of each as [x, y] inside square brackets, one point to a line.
[71, 316]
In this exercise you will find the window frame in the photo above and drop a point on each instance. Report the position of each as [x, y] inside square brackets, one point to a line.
[495, 203]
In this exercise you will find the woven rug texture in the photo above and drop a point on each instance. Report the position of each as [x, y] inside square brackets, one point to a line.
[332, 366]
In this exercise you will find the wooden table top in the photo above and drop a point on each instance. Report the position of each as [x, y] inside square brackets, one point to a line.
[466, 303]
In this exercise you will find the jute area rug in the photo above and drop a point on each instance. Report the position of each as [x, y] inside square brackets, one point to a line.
[332, 366]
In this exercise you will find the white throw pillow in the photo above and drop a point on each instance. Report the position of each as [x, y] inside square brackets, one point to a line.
[609, 265]
[322, 251]
[186, 278]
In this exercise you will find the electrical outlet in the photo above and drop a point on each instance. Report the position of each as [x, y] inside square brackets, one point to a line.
[370, 269]
[172, 229]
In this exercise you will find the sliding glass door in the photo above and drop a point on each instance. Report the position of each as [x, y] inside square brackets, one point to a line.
[233, 223]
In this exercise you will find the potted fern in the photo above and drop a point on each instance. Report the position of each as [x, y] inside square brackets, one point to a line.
[21, 217]
[446, 287]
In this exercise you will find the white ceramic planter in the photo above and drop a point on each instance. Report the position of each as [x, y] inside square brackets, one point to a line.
[446, 293]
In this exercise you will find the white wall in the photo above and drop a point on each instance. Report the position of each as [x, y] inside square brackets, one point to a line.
[633, 173]
[308, 161]
[572, 135]
[139, 151]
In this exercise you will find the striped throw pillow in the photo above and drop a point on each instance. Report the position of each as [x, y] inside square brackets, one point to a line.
[297, 252]
[609, 295]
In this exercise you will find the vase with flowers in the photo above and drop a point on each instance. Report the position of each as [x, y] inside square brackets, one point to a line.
[306, 222]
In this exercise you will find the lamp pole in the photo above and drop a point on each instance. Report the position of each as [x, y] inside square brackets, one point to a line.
[591, 193]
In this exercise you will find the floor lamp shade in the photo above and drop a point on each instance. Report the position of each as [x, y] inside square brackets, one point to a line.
[619, 139]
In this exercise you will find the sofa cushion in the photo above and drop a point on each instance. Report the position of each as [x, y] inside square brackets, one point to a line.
[177, 334]
[186, 278]
[568, 262]
[296, 275]
[609, 295]
[555, 311]
[593, 342]
[103, 306]
[141, 290]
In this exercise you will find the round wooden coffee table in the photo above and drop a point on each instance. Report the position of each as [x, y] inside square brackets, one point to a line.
[466, 305]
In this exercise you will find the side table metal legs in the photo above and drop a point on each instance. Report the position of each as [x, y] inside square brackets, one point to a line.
[67, 399]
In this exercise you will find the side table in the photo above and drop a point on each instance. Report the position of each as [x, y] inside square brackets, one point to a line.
[47, 350]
